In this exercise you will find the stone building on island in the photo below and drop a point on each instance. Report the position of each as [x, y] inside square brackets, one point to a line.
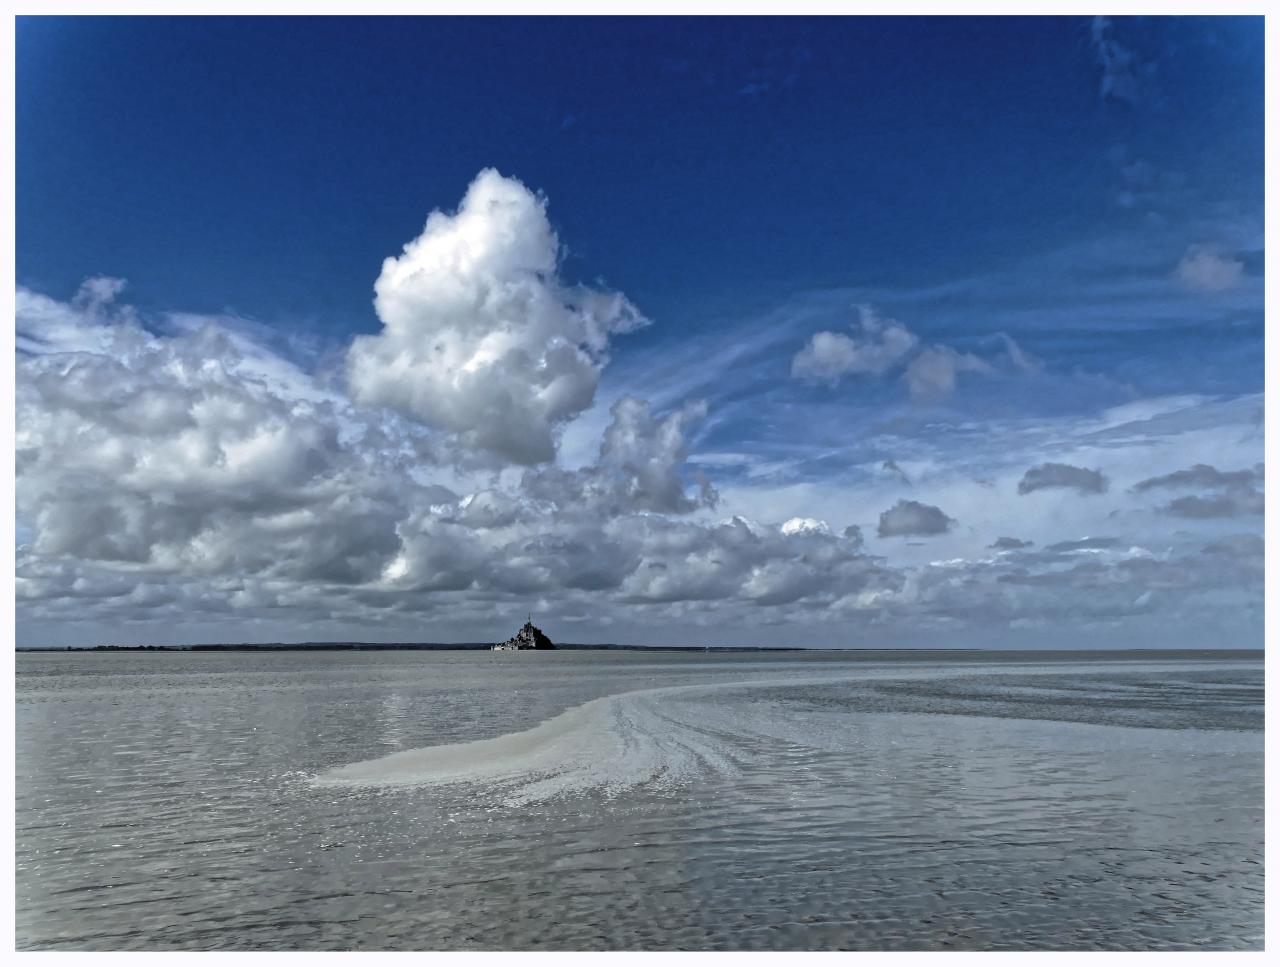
[527, 638]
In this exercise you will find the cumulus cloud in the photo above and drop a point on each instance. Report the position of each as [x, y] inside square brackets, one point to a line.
[1232, 492]
[639, 466]
[193, 476]
[880, 345]
[910, 518]
[642, 456]
[162, 456]
[736, 559]
[194, 473]
[1062, 475]
[1009, 544]
[89, 323]
[179, 471]
[1209, 270]
[480, 336]
[1241, 502]
[932, 374]
[1202, 475]
[805, 525]
[1114, 583]
[98, 292]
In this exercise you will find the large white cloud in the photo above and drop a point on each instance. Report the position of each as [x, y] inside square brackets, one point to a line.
[639, 466]
[480, 336]
[193, 472]
[174, 455]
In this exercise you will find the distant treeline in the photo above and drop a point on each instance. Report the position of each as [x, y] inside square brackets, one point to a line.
[399, 646]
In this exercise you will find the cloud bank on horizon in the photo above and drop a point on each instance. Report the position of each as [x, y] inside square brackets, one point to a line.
[855, 466]
[184, 470]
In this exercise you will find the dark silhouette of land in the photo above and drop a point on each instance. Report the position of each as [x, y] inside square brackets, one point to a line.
[996, 655]
[400, 646]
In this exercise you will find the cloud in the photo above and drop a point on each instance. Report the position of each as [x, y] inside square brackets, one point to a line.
[186, 472]
[881, 345]
[1062, 475]
[891, 467]
[163, 477]
[176, 456]
[638, 467]
[1234, 503]
[1083, 544]
[195, 479]
[828, 357]
[170, 477]
[1120, 67]
[912, 518]
[480, 336]
[98, 292]
[1143, 186]
[642, 456]
[735, 559]
[1019, 358]
[1208, 270]
[1236, 495]
[89, 323]
[1114, 584]
[932, 374]
[1009, 544]
[805, 525]
[1202, 475]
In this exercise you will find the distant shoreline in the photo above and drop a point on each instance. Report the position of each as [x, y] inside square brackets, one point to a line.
[716, 649]
[404, 646]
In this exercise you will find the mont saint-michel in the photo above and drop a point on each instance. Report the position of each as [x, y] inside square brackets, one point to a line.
[528, 638]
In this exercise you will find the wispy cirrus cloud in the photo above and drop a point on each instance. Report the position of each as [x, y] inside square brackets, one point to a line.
[1122, 70]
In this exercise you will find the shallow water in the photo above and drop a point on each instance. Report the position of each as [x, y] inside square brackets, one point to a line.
[575, 800]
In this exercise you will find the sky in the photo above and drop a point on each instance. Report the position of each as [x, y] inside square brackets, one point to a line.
[830, 332]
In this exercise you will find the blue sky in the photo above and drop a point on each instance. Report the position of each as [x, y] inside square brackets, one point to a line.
[863, 261]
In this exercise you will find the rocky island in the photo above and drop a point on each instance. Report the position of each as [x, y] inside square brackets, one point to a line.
[526, 639]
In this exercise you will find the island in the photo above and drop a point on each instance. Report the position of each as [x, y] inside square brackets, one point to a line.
[527, 638]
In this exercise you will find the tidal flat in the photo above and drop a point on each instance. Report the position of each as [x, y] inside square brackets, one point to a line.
[639, 801]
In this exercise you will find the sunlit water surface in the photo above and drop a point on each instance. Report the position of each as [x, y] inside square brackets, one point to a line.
[589, 800]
